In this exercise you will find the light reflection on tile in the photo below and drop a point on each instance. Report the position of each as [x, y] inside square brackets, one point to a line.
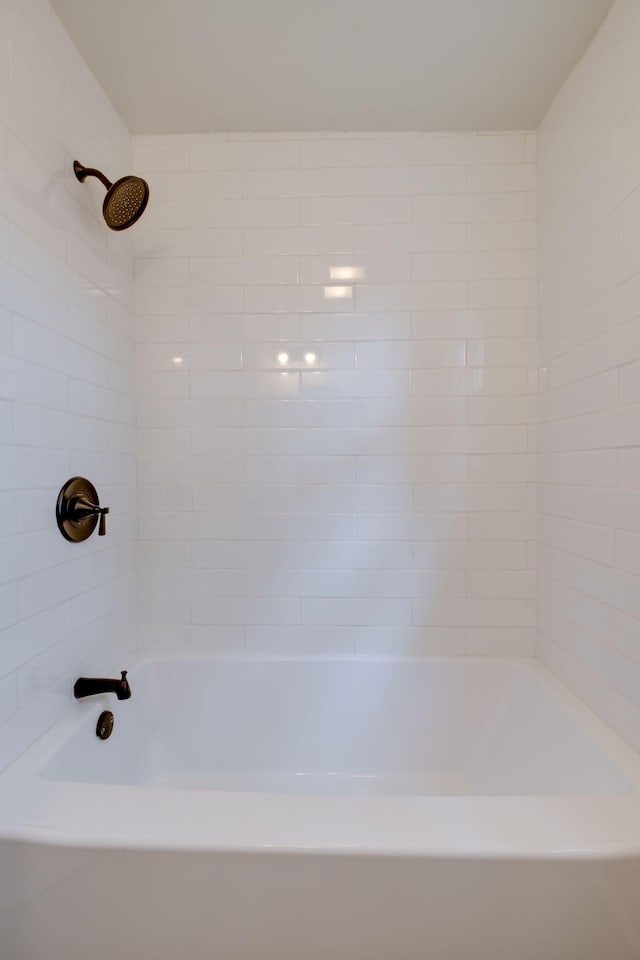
[346, 273]
[338, 293]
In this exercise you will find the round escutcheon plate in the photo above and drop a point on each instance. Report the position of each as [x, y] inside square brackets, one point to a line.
[71, 528]
[104, 727]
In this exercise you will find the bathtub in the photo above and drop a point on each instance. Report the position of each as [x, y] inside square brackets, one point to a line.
[307, 809]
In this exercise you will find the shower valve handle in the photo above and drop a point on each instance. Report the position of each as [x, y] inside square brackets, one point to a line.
[80, 508]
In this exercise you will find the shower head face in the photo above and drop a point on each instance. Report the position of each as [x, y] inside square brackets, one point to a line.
[125, 202]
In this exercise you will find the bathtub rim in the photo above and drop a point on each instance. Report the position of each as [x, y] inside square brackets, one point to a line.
[110, 816]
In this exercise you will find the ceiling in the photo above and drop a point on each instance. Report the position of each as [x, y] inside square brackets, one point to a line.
[182, 66]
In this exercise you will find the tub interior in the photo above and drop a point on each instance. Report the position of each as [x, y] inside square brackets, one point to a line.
[393, 727]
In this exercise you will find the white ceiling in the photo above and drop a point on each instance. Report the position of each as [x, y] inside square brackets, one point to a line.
[181, 66]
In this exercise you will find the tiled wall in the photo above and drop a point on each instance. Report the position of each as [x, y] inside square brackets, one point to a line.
[336, 353]
[336, 361]
[589, 173]
[66, 364]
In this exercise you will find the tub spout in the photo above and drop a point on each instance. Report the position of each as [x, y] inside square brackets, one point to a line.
[92, 686]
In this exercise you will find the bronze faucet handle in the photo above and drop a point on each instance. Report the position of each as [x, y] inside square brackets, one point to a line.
[80, 508]
[102, 529]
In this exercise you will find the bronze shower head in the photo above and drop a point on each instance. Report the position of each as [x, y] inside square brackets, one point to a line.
[125, 201]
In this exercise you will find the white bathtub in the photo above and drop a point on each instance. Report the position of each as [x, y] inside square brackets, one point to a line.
[284, 809]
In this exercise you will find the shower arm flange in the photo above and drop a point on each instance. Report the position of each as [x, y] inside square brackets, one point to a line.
[82, 173]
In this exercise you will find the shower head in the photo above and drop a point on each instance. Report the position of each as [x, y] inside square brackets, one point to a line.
[125, 201]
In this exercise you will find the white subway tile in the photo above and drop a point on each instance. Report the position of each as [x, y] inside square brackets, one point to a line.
[299, 240]
[412, 412]
[415, 296]
[245, 610]
[504, 525]
[366, 268]
[161, 156]
[367, 498]
[459, 265]
[54, 351]
[286, 298]
[472, 209]
[409, 181]
[245, 384]
[356, 611]
[499, 178]
[359, 383]
[409, 238]
[511, 352]
[221, 155]
[627, 551]
[500, 642]
[419, 527]
[180, 357]
[503, 293]
[374, 209]
[266, 326]
[469, 497]
[507, 583]
[303, 413]
[350, 555]
[417, 469]
[243, 270]
[498, 235]
[8, 605]
[299, 640]
[497, 468]
[161, 271]
[356, 152]
[169, 385]
[197, 185]
[244, 212]
[502, 409]
[471, 439]
[471, 555]
[185, 241]
[296, 355]
[355, 326]
[383, 355]
[409, 640]
[474, 612]
[470, 148]
[300, 469]
[331, 182]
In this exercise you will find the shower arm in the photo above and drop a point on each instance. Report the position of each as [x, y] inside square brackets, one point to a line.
[82, 173]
